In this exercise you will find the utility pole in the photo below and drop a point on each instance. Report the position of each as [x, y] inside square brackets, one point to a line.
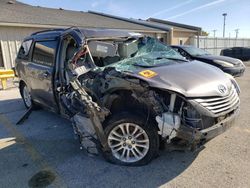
[236, 32]
[215, 42]
[214, 31]
[224, 25]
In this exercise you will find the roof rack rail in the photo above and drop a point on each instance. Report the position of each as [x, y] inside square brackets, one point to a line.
[44, 31]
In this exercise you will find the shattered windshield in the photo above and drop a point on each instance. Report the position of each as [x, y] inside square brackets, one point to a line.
[150, 53]
[134, 52]
[153, 46]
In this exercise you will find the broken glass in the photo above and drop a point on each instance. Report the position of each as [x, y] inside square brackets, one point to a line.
[151, 53]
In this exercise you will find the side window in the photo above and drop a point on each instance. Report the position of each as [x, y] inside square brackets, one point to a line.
[44, 52]
[24, 50]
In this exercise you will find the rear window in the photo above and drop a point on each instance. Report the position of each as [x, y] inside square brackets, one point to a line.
[24, 49]
[44, 52]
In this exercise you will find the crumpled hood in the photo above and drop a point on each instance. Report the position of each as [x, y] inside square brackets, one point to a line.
[191, 79]
[221, 58]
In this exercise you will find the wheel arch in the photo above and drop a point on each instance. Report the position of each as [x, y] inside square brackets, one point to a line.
[123, 100]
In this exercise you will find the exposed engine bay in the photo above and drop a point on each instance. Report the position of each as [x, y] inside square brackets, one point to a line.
[101, 79]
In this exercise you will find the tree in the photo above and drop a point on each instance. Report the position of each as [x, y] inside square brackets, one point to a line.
[204, 33]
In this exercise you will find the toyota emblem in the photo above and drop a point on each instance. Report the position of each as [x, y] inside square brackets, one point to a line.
[222, 89]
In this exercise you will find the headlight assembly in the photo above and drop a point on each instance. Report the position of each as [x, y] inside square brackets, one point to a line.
[233, 81]
[241, 63]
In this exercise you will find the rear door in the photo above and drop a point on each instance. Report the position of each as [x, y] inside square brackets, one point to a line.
[41, 70]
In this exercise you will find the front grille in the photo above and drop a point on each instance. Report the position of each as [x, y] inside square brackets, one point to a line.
[221, 105]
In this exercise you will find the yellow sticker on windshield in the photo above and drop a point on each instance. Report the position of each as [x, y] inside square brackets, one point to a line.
[148, 73]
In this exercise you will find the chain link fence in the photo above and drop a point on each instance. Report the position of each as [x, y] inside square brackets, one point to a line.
[215, 45]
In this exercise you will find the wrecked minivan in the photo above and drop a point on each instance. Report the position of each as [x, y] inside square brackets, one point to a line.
[126, 94]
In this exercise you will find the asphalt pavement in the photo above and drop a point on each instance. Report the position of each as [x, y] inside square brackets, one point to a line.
[44, 152]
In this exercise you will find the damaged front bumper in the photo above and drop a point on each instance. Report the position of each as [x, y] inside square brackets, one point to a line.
[194, 136]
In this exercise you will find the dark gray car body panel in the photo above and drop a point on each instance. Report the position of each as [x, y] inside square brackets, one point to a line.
[190, 79]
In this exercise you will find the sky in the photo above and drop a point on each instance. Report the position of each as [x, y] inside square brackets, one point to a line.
[202, 13]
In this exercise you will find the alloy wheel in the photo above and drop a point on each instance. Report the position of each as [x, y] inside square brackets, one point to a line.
[128, 142]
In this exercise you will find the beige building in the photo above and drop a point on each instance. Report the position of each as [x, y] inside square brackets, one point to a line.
[176, 33]
[180, 34]
[18, 20]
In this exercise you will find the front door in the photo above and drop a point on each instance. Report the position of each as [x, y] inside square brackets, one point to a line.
[41, 70]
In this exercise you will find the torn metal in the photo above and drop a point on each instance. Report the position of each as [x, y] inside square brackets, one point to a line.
[94, 112]
[103, 74]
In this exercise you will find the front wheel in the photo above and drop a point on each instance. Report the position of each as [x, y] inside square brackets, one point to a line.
[132, 140]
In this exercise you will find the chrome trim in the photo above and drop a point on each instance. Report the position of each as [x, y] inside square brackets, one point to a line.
[220, 105]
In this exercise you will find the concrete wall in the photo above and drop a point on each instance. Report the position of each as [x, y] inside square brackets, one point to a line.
[10, 41]
[215, 45]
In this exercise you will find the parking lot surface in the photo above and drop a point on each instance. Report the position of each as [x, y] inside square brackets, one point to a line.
[43, 151]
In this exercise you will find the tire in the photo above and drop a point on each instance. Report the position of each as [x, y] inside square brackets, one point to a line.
[26, 96]
[148, 137]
